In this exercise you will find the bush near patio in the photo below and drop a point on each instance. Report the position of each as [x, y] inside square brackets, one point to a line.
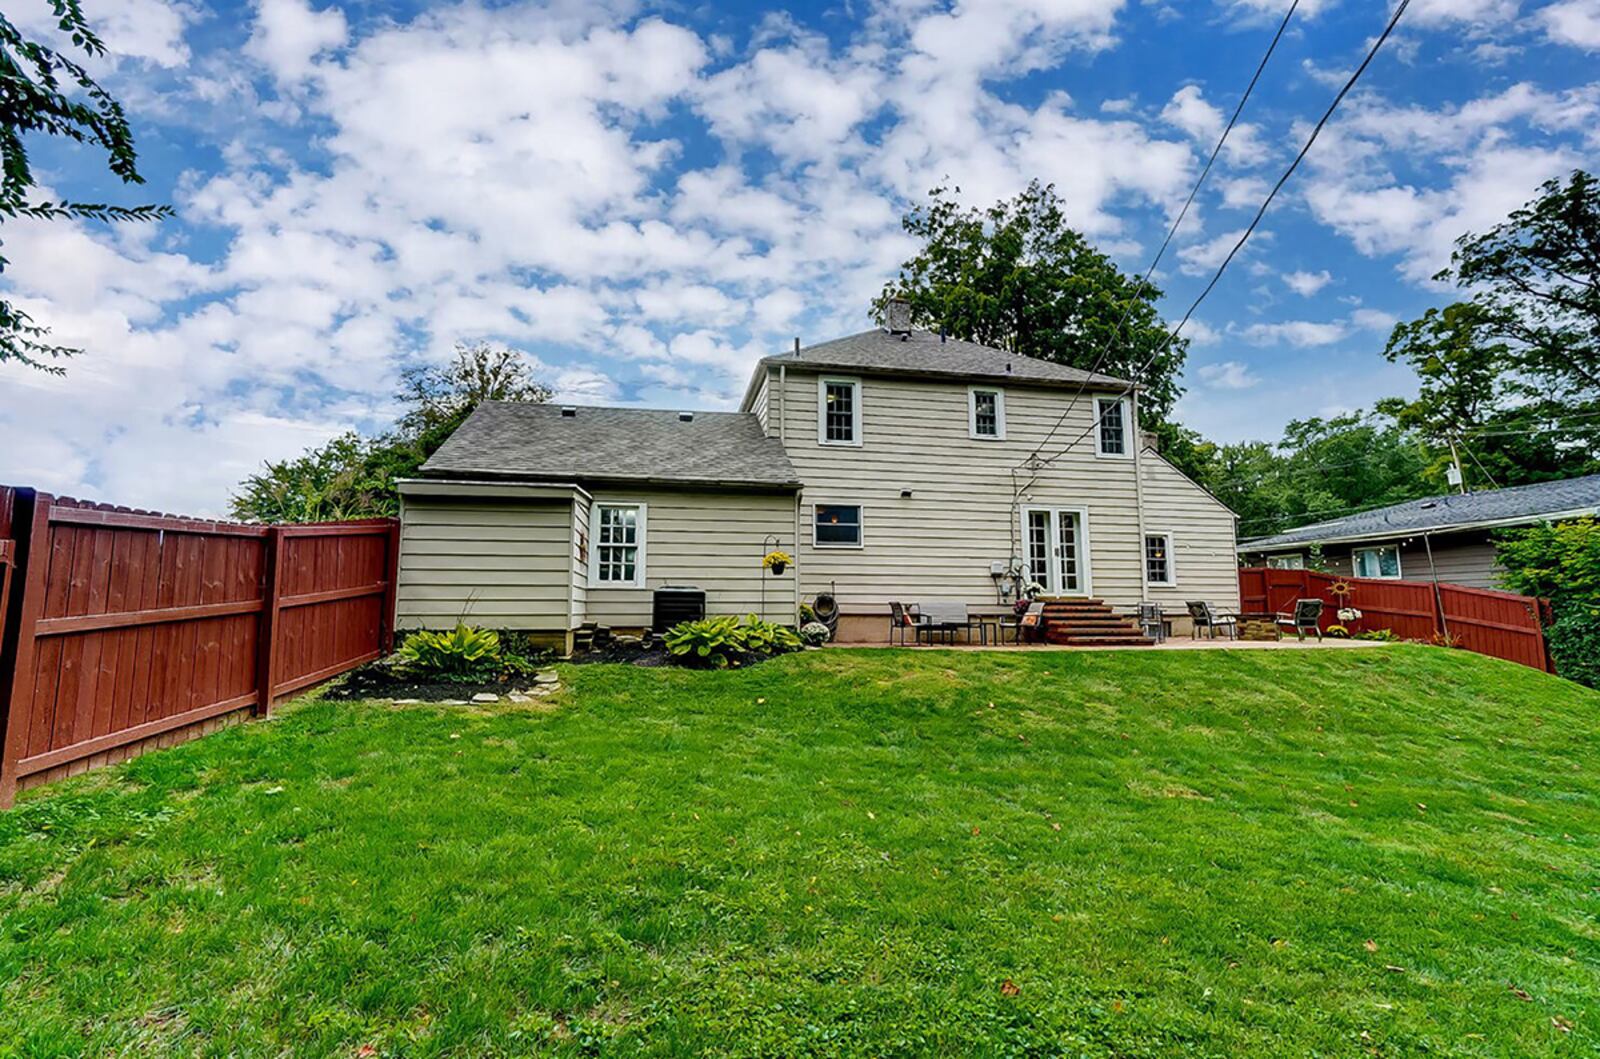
[1561, 562]
[1388, 850]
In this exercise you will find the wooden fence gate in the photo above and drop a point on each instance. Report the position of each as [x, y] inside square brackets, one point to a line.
[129, 629]
[1500, 624]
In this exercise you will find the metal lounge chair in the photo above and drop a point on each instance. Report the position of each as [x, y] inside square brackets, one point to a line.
[1306, 617]
[901, 618]
[1151, 621]
[1206, 617]
[1020, 623]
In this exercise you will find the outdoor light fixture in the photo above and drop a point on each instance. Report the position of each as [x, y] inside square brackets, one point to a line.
[905, 493]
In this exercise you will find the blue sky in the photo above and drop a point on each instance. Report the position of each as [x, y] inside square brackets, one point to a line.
[648, 197]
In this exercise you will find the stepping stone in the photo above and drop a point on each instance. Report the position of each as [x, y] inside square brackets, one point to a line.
[452, 702]
[547, 677]
[517, 696]
[406, 702]
[485, 696]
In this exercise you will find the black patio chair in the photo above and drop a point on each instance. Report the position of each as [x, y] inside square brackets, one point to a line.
[901, 618]
[1205, 616]
[1306, 617]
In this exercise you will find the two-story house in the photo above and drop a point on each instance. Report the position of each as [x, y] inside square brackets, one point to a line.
[889, 465]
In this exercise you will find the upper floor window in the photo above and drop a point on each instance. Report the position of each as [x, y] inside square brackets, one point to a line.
[618, 545]
[1377, 562]
[986, 414]
[839, 411]
[1111, 426]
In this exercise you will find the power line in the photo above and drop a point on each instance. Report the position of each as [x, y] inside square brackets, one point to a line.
[1349, 85]
[1172, 232]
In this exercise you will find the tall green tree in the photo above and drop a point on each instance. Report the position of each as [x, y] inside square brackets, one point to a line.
[44, 92]
[1017, 277]
[1511, 376]
[354, 477]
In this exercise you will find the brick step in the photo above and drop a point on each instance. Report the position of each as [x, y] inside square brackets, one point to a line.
[1129, 640]
[1066, 615]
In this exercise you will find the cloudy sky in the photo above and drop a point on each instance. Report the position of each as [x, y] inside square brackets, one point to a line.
[646, 197]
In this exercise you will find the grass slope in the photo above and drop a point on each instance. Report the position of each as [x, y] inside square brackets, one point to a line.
[1387, 852]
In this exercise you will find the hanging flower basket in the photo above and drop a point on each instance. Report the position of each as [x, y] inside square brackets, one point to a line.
[777, 562]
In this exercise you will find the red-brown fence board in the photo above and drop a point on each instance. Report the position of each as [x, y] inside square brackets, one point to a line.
[1501, 624]
[134, 625]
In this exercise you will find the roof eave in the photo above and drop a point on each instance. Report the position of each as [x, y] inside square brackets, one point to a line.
[1267, 544]
[584, 480]
[800, 363]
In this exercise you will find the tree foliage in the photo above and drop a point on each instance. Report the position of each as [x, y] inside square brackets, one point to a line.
[1561, 562]
[1016, 277]
[45, 92]
[353, 476]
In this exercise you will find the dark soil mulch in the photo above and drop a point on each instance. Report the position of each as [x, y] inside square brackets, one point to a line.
[377, 680]
[646, 655]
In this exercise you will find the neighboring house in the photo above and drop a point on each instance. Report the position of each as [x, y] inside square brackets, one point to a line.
[1396, 542]
[891, 466]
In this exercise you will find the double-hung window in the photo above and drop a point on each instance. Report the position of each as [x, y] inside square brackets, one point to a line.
[617, 558]
[1158, 569]
[836, 526]
[1381, 562]
[986, 414]
[1111, 426]
[838, 411]
[1288, 561]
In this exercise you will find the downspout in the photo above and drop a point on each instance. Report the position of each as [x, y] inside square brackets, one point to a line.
[1138, 500]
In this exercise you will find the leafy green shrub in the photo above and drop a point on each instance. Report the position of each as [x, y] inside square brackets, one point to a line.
[807, 614]
[1575, 644]
[464, 652]
[769, 638]
[814, 633]
[1381, 635]
[708, 642]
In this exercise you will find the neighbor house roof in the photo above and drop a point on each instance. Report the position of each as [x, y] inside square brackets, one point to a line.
[925, 353]
[1519, 505]
[546, 442]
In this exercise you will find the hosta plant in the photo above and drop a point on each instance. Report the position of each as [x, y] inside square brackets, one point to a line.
[768, 637]
[465, 651]
[707, 642]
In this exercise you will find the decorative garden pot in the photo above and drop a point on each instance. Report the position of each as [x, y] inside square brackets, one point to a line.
[778, 569]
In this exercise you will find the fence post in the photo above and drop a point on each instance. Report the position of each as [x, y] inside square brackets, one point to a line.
[267, 634]
[391, 573]
[16, 701]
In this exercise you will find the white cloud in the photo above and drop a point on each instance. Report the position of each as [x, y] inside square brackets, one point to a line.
[1300, 333]
[1189, 112]
[1307, 284]
[289, 34]
[1228, 375]
[1574, 22]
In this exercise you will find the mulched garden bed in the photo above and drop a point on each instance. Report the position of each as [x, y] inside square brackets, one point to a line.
[380, 680]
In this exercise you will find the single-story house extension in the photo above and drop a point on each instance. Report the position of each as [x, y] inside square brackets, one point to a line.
[1445, 537]
[889, 465]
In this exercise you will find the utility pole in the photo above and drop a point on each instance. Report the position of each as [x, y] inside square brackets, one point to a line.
[1454, 474]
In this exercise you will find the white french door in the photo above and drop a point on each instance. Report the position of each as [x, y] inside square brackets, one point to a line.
[1056, 549]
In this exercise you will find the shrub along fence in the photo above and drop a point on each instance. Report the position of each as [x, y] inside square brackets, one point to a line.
[1500, 624]
[126, 630]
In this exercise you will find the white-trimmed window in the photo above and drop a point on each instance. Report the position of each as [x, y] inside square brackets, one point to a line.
[1158, 560]
[617, 558]
[1382, 561]
[986, 413]
[836, 525]
[1111, 427]
[1291, 561]
[838, 411]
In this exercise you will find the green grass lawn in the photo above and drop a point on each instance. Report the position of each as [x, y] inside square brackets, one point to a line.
[1392, 852]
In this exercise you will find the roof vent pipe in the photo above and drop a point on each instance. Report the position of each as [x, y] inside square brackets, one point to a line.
[796, 347]
[568, 412]
[686, 417]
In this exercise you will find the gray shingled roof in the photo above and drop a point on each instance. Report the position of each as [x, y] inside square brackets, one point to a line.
[925, 353]
[1525, 503]
[535, 441]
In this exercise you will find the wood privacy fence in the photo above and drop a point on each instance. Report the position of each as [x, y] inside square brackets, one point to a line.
[1500, 624]
[130, 629]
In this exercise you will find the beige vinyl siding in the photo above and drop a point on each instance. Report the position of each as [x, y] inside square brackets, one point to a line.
[1203, 554]
[711, 540]
[579, 572]
[504, 565]
[939, 543]
[760, 406]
